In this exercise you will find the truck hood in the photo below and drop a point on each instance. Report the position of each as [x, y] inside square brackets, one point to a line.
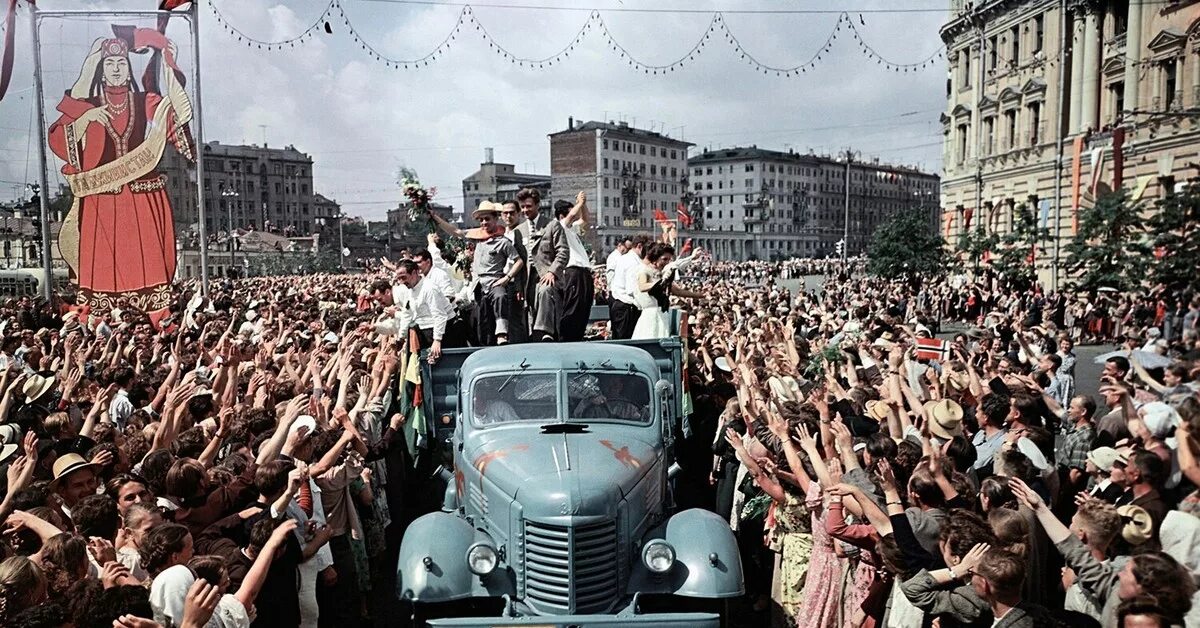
[557, 475]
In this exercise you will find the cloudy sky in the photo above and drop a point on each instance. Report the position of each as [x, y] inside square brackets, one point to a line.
[361, 120]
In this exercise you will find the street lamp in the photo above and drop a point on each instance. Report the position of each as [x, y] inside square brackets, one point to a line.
[229, 194]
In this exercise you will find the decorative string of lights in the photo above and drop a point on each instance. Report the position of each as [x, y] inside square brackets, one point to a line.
[272, 45]
[594, 21]
[658, 69]
[792, 71]
[891, 65]
[422, 61]
[540, 63]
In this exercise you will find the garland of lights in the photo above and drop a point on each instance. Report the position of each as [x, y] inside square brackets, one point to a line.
[467, 16]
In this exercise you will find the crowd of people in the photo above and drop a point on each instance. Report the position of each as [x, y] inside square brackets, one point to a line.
[246, 461]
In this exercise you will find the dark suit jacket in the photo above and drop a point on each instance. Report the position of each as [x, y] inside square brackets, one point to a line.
[546, 242]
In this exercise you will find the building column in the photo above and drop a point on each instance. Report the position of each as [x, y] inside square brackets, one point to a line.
[1076, 73]
[1091, 72]
[1133, 54]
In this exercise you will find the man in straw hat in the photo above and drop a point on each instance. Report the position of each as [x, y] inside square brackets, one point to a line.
[494, 253]
[74, 479]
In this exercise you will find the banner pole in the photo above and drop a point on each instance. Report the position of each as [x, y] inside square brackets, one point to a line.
[44, 202]
[198, 127]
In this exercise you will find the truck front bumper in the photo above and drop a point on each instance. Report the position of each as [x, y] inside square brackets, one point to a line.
[658, 620]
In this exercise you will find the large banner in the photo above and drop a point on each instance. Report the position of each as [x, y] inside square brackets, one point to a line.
[111, 133]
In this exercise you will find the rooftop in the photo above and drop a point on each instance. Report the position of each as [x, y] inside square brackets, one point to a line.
[255, 151]
[619, 128]
[754, 153]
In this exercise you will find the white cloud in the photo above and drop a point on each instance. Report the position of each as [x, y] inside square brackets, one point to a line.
[360, 120]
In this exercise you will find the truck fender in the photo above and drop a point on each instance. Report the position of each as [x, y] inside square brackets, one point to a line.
[707, 561]
[433, 567]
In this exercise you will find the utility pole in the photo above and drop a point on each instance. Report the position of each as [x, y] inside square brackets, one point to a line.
[1060, 140]
[43, 197]
[846, 217]
[979, 24]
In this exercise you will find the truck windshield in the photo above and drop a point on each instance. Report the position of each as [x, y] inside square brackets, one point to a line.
[619, 396]
[515, 397]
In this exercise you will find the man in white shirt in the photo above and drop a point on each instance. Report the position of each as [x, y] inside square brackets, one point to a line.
[579, 288]
[438, 278]
[121, 406]
[429, 310]
[623, 312]
[610, 264]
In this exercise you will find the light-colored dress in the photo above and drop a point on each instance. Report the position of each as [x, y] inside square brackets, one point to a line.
[821, 602]
[792, 540]
[653, 322]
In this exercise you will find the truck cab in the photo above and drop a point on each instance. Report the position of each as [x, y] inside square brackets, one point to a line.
[559, 500]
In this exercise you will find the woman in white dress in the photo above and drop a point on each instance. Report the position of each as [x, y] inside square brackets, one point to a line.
[655, 284]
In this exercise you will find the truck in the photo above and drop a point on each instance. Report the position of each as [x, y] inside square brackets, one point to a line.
[557, 504]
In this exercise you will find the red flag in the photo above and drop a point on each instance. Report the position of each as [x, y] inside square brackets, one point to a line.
[682, 213]
[659, 216]
[687, 246]
[967, 213]
[1032, 259]
[987, 257]
[6, 56]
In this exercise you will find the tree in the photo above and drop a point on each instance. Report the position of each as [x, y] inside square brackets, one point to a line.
[1018, 250]
[974, 245]
[906, 247]
[1109, 250]
[1176, 229]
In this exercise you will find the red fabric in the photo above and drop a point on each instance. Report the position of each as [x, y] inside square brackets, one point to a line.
[932, 349]
[126, 240]
[1118, 157]
[6, 59]
[305, 498]
[682, 213]
[659, 216]
[967, 213]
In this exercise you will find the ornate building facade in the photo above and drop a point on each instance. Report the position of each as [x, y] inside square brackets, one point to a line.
[1051, 103]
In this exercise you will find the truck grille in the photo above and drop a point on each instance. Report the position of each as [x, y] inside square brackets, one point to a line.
[571, 570]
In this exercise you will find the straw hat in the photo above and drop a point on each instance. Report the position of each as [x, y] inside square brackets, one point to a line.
[877, 410]
[36, 386]
[66, 465]
[945, 418]
[486, 207]
[1138, 525]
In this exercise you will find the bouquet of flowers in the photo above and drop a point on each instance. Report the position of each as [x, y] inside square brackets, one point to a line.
[418, 203]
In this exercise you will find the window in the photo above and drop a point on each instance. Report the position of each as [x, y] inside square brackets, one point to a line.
[1120, 13]
[964, 68]
[749, 167]
[989, 135]
[672, 154]
[749, 183]
[1010, 121]
[674, 173]
[653, 151]
[604, 144]
[962, 145]
[642, 149]
[1015, 35]
[1039, 33]
[1116, 96]
[605, 162]
[1035, 123]
[1169, 84]
[993, 52]
[709, 171]
[653, 170]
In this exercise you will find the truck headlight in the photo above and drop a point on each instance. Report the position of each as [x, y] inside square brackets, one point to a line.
[658, 556]
[482, 559]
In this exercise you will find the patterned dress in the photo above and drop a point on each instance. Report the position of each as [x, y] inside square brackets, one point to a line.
[821, 602]
[791, 538]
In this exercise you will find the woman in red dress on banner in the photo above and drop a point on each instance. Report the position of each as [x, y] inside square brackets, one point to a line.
[119, 238]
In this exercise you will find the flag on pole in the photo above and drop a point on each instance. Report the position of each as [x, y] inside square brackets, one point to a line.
[6, 55]
[933, 349]
[684, 217]
[967, 214]
[659, 216]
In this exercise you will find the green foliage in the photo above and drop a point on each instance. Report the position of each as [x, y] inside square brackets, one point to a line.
[1110, 249]
[974, 244]
[1013, 263]
[828, 357]
[906, 247]
[1176, 230]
